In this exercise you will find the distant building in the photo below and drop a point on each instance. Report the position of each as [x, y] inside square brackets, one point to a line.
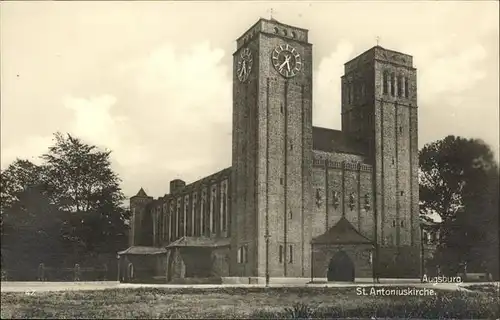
[298, 200]
[430, 241]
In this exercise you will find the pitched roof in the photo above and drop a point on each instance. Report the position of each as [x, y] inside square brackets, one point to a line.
[343, 232]
[141, 193]
[140, 250]
[330, 140]
[200, 242]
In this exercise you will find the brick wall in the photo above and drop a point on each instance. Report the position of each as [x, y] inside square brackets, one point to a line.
[272, 126]
[139, 208]
[390, 130]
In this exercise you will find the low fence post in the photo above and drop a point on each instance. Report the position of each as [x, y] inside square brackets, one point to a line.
[118, 271]
[77, 272]
[41, 272]
[105, 272]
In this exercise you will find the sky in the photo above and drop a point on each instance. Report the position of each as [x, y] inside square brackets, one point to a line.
[152, 81]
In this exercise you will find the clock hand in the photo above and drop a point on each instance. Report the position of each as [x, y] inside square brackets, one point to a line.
[243, 68]
[283, 64]
[287, 61]
[243, 71]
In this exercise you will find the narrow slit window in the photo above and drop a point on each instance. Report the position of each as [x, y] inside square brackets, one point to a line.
[290, 254]
[393, 85]
[407, 91]
[348, 93]
[400, 86]
[384, 84]
[280, 256]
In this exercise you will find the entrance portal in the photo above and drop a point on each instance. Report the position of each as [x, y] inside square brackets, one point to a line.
[341, 268]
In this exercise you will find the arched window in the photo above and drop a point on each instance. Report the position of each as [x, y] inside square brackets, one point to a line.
[224, 212]
[348, 85]
[187, 217]
[212, 210]
[400, 86]
[351, 91]
[385, 81]
[195, 222]
[393, 85]
[180, 220]
[407, 90]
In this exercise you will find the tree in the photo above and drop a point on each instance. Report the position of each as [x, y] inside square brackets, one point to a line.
[18, 176]
[82, 183]
[32, 231]
[459, 181]
[75, 191]
[80, 175]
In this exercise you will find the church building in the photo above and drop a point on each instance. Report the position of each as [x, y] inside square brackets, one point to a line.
[298, 201]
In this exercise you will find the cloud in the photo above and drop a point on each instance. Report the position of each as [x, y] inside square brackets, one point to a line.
[176, 124]
[173, 120]
[29, 148]
[160, 98]
[450, 72]
[327, 89]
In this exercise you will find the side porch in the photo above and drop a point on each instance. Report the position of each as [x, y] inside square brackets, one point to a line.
[186, 260]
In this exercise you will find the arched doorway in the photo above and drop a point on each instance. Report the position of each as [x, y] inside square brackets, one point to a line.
[341, 268]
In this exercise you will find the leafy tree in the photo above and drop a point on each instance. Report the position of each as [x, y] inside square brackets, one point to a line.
[80, 175]
[459, 181]
[18, 176]
[77, 193]
[31, 231]
[82, 183]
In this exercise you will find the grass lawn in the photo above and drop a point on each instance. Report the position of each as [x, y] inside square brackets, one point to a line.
[231, 303]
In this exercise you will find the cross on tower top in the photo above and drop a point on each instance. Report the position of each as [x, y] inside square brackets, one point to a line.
[378, 40]
[271, 11]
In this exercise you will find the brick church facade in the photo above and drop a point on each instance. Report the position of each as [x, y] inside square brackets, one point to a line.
[298, 200]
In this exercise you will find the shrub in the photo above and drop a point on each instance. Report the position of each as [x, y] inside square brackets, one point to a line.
[299, 311]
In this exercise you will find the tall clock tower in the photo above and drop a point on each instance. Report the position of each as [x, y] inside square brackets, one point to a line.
[272, 150]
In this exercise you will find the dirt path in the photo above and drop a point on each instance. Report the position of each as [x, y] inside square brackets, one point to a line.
[13, 286]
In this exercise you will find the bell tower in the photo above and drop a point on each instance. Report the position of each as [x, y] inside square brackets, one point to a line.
[379, 110]
[272, 151]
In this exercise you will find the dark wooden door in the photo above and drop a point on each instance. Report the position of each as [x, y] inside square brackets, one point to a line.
[341, 268]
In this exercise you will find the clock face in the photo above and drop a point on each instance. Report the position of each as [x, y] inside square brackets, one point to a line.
[286, 60]
[244, 64]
